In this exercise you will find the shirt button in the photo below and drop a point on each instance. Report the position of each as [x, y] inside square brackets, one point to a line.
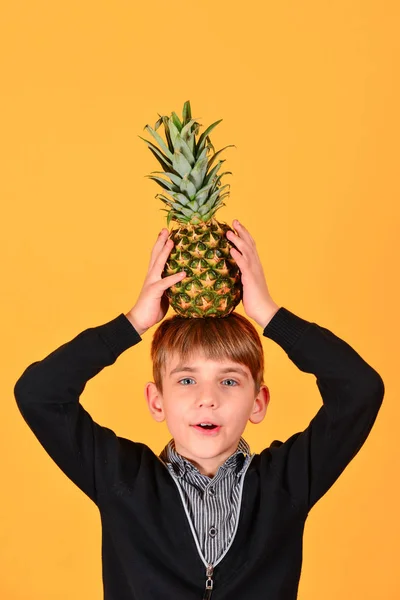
[213, 531]
[211, 490]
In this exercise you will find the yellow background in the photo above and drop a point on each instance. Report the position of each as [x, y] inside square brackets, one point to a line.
[309, 94]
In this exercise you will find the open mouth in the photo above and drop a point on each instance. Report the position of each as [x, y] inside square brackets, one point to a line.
[207, 428]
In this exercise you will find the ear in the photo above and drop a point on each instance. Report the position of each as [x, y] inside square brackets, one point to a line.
[260, 405]
[154, 401]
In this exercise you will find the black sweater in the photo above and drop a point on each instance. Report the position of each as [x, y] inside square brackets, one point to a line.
[148, 550]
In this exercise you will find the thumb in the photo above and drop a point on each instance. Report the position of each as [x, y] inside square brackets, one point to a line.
[167, 282]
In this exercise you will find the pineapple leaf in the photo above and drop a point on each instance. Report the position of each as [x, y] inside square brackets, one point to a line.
[158, 123]
[167, 185]
[186, 113]
[221, 198]
[174, 132]
[160, 141]
[186, 186]
[209, 205]
[173, 176]
[181, 198]
[215, 195]
[203, 154]
[213, 171]
[182, 146]
[167, 133]
[215, 210]
[204, 209]
[193, 184]
[191, 142]
[176, 121]
[202, 194]
[164, 199]
[216, 154]
[156, 150]
[165, 166]
[209, 145]
[193, 205]
[198, 172]
[190, 137]
[178, 207]
[169, 217]
[186, 211]
[181, 164]
[186, 133]
[202, 139]
[217, 181]
[219, 190]
[219, 204]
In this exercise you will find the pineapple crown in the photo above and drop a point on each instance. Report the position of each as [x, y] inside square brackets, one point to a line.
[194, 187]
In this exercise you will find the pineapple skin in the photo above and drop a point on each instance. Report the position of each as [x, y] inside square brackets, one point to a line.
[212, 286]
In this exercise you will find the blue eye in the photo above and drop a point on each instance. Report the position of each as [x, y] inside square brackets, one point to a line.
[191, 379]
[185, 379]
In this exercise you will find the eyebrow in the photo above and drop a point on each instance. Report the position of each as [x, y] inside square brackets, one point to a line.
[239, 370]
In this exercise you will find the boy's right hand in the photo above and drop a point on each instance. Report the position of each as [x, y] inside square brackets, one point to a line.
[152, 303]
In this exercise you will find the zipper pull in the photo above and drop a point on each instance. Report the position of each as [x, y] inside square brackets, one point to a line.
[209, 582]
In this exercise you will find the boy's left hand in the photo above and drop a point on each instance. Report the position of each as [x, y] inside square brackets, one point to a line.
[257, 301]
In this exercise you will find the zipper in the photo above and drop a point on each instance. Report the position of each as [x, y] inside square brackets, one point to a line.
[209, 582]
[209, 567]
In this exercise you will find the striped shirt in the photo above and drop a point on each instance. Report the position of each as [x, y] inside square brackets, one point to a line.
[212, 503]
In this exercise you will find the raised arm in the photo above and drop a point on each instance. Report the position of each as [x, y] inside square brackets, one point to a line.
[48, 391]
[309, 462]
[48, 394]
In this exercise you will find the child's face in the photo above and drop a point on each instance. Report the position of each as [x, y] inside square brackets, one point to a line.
[201, 390]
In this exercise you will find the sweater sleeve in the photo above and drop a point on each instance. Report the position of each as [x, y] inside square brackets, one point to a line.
[48, 392]
[309, 462]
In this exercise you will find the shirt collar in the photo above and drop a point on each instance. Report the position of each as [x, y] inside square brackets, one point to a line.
[181, 465]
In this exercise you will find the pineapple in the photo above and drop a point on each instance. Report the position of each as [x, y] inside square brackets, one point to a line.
[212, 286]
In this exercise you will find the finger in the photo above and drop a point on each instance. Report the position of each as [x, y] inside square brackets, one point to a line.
[243, 231]
[238, 257]
[235, 239]
[161, 259]
[159, 246]
[161, 239]
[167, 282]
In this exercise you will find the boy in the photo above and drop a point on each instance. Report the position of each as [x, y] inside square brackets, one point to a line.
[204, 519]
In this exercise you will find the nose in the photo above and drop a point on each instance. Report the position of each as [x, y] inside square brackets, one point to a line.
[207, 395]
[207, 399]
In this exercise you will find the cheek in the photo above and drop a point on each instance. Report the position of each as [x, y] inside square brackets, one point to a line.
[175, 414]
[239, 410]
